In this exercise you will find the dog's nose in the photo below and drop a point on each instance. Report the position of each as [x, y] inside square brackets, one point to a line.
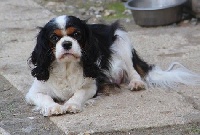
[67, 45]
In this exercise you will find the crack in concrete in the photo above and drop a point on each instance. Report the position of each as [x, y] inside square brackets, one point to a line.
[190, 100]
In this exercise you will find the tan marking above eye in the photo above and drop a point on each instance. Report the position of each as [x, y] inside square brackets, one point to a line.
[70, 30]
[58, 32]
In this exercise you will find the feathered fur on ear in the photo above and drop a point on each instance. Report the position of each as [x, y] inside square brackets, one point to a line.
[42, 57]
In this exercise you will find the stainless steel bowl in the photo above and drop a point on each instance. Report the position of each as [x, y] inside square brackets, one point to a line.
[155, 12]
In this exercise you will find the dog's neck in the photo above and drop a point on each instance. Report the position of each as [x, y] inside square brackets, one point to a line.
[65, 69]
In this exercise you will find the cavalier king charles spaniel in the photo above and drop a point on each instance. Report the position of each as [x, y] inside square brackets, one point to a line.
[73, 61]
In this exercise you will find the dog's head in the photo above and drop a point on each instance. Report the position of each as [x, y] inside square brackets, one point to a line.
[62, 39]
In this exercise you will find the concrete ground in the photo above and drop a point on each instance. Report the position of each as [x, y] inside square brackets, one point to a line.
[153, 111]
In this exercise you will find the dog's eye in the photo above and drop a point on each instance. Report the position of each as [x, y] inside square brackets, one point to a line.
[54, 38]
[77, 35]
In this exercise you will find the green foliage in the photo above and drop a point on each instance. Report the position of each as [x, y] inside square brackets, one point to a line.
[194, 130]
[117, 6]
[119, 9]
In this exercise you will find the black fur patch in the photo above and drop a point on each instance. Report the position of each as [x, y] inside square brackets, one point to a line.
[42, 55]
[97, 53]
[139, 65]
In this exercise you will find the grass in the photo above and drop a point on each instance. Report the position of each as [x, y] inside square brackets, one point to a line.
[194, 130]
[118, 7]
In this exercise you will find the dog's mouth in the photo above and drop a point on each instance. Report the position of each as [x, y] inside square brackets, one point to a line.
[69, 55]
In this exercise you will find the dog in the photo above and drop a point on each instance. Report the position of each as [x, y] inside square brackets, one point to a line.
[73, 61]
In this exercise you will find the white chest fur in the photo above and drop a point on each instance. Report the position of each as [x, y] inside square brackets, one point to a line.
[66, 83]
[66, 79]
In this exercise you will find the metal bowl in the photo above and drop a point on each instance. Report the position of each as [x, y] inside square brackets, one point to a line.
[155, 12]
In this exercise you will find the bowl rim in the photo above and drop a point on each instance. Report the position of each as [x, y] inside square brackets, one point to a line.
[155, 8]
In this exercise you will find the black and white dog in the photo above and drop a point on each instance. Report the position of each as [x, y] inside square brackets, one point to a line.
[74, 60]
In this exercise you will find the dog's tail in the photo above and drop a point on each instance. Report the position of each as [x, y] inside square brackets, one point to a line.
[154, 76]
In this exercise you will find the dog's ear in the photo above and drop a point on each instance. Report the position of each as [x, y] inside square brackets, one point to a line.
[42, 57]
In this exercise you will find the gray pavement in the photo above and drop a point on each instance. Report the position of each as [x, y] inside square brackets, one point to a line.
[153, 111]
[17, 118]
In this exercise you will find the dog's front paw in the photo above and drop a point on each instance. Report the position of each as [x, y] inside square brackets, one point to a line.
[54, 109]
[136, 85]
[72, 108]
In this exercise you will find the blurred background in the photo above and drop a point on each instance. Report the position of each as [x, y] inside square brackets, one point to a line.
[106, 11]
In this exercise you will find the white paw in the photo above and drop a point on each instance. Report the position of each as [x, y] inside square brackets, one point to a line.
[54, 109]
[72, 108]
[91, 102]
[28, 99]
[136, 85]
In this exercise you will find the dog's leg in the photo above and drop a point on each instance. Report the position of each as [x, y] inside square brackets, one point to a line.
[123, 48]
[76, 102]
[37, 96]
[136, 82]
[120, 64]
